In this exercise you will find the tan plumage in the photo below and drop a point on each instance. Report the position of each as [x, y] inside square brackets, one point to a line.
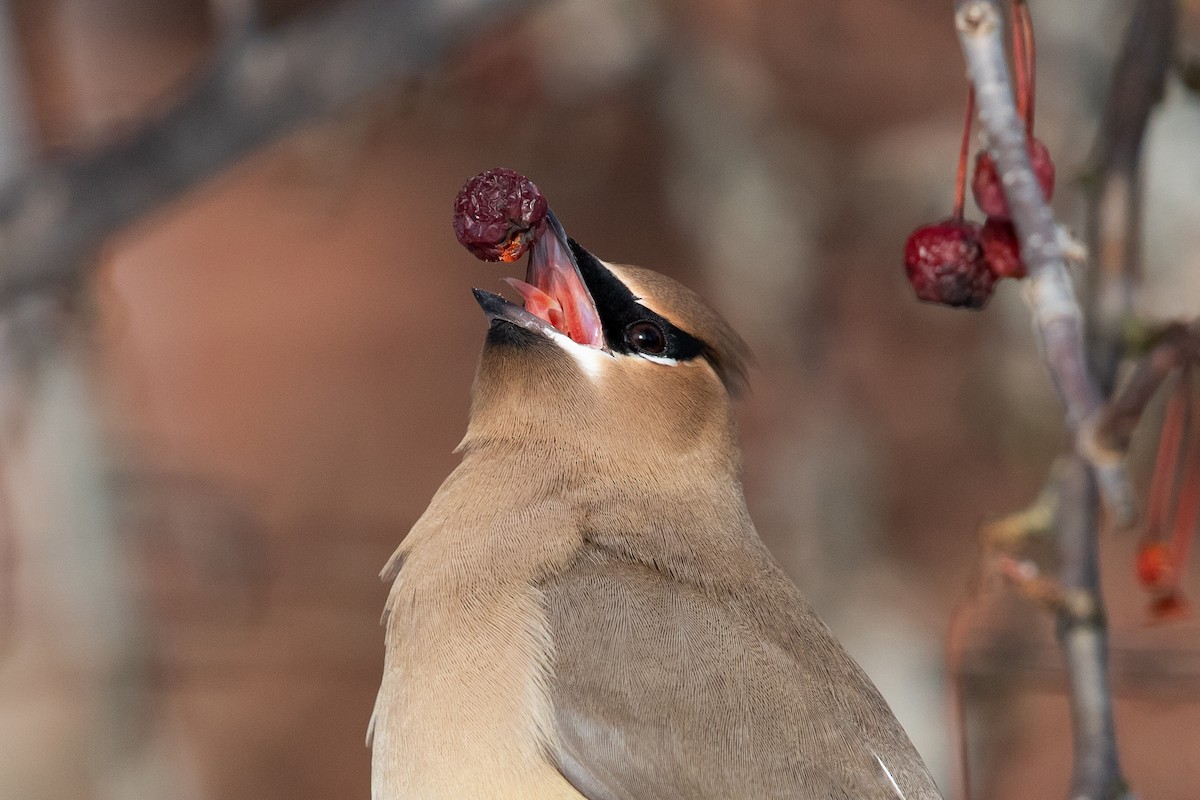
[585, 609]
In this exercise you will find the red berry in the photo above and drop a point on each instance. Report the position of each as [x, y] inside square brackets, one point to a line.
[1155, 567]
[944, 263]
[985, 185]
[498, 215]
[1002, 249]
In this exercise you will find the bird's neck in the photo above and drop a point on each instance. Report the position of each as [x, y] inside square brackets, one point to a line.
[652, 434]
[586, 435]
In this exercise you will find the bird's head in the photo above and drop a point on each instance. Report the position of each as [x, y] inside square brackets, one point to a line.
[604, 358]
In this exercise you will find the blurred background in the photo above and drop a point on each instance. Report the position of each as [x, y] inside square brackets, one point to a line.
[235, 392]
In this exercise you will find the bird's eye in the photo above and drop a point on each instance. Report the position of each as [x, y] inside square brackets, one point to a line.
[646, 337]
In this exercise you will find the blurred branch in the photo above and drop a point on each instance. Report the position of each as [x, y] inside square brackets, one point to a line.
[1177, 345]
[234, 17]
[1060, 323]
[1148, 671]
[1114, 186]
[259, 86]
[8, 564]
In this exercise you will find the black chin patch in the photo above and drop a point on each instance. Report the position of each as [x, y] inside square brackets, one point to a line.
[502, 333]
[619, 309]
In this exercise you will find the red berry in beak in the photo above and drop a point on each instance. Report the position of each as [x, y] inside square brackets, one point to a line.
[1001, 249]
[498, 215]
[986, 186]
[945, 264]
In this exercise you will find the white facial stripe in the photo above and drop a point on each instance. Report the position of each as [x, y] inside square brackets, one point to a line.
[590, 359]
[670, 362]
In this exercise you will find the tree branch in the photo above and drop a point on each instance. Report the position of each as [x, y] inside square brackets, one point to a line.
[1060, 325]
[1049, 292]
[259, 86]
[1177, 345]
[1083, 635]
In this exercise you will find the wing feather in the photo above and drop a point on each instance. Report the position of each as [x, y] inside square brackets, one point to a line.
[664, 690]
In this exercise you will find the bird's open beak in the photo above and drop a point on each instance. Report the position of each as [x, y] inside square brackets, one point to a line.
[553, 291]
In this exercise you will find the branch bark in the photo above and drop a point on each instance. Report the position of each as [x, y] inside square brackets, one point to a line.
[1083, 635]
[259, 86]
[1177, 345]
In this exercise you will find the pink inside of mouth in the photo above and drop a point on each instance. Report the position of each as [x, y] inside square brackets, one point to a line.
[554, 291]
[539, 303]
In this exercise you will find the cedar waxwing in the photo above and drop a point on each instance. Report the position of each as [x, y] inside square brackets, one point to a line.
[585, 610]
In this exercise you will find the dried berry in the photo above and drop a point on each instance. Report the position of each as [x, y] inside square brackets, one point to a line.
[986, 186]
[499, 214]
[1002, 249]
[944, 263]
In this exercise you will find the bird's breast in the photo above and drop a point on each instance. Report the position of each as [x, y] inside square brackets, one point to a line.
[463, 709]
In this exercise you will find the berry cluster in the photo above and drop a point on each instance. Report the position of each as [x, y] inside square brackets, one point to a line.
[957, 262]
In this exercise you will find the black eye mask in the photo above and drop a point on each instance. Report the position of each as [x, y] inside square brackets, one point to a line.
[624, 319]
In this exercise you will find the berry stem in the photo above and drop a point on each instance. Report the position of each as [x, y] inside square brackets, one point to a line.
[964, 151]
[1030, 48]
[1188, 508]
[1020, 61]
[1185, 521]
[1170, 443]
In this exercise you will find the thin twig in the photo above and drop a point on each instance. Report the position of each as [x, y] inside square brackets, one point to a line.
[1188, 510]
[955, 646]
[258, 87]
[1029, 48]
[8, 563]
[1176, 345]
[1172, 444]
[964, 154]
[1021, 65]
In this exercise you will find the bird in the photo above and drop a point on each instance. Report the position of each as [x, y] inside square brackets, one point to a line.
[585, 609]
